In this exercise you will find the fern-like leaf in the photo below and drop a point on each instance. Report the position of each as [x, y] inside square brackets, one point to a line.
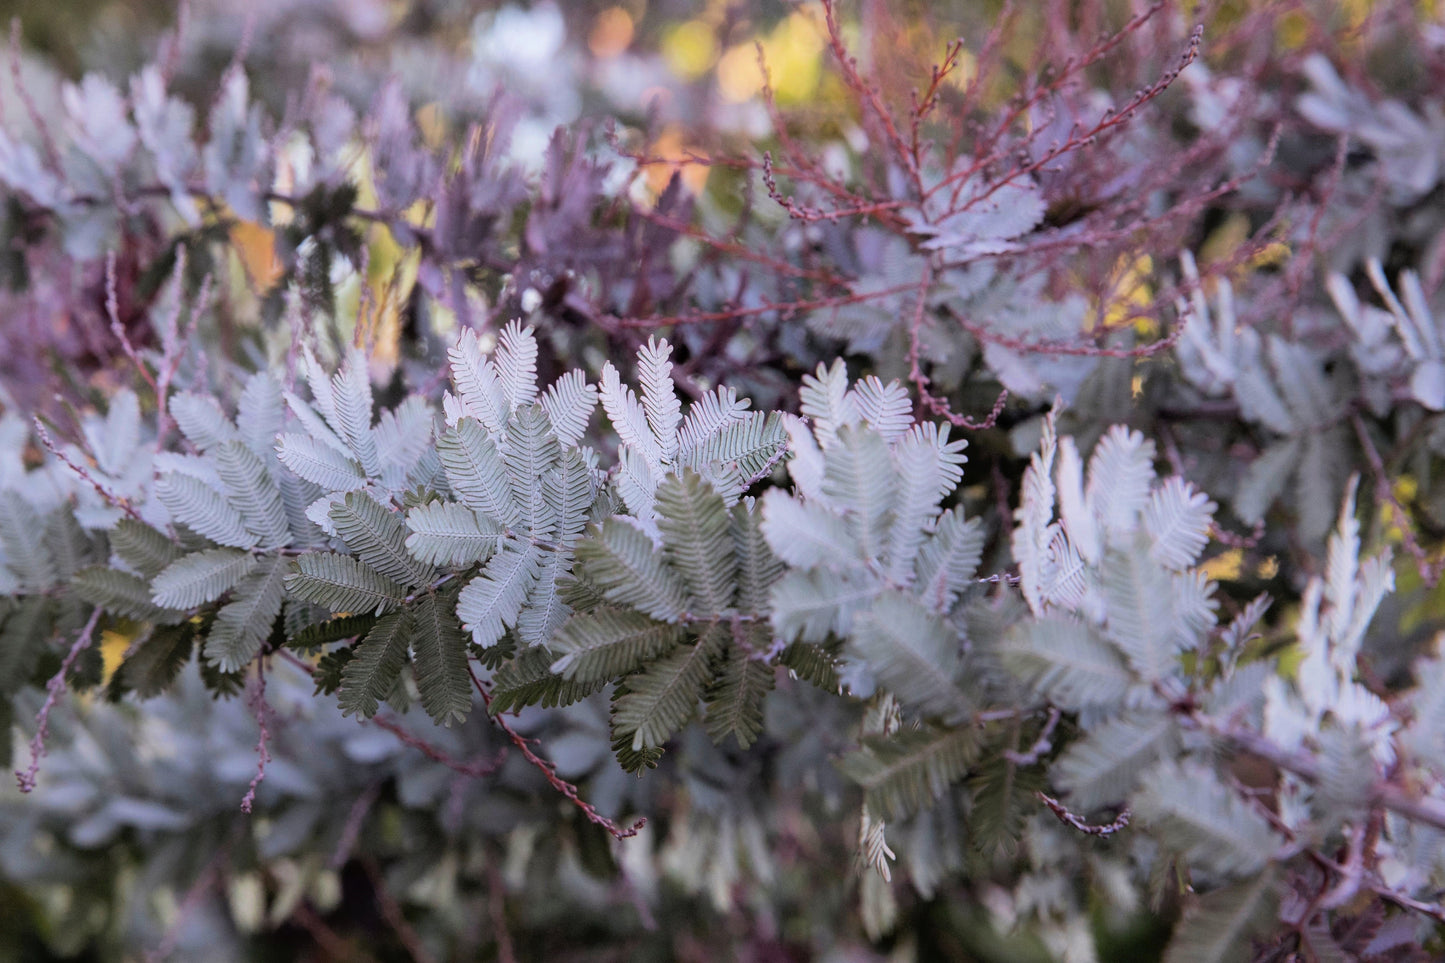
[252, 491]
[1177, 518]
[659, 398]
[203, 510]
[1142, 615]
[948, 560]
[475, 471]
[825, 399]
[490, 603]
[658, 701]
[625, 566]
[735, 697]
[243, 624]
[532, 451]
[480, 394]
[200, 577]
[910, 770]
[446, 533]
[610, 643]
[343, 584]
[1104, 766]
[569, 404]
[1197, 815]
[377, 663]
[808, 535]
[1121, 472]
[758, 567]
[352, 402]
[201, 420]
[695, 541]
[260, 413]
[887, 409]
[439, 650]
[516, 362]
[378, 537]
[153, 663]
[142, 548]
[911, 653]
[1068, 662]
[320, 463]
[528, 680]
[121, 593]
[809, 606]
[1220, 926]
[858, 475]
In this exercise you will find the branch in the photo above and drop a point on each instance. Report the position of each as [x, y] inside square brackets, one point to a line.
[53, 688]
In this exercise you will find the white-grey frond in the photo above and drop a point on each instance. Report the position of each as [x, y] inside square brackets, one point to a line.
[516, 361]
[315, 425]
[352, 400]
[705, 418]
[490, 603]
[201, 420]
[887, 408]
[569, 403]
[1177, 517]
[629, 419]
[319, 463]
[659, 396]
[825, 399]
[260, 414]
[1121, 473]
[480, 393]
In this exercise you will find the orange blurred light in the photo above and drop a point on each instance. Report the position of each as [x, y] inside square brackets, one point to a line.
[611, 33]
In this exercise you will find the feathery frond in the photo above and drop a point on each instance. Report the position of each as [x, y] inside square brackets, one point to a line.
[375, 666]
[200, 577]
[447, 533]
[609, 643]
[343, 584]
[908, 771]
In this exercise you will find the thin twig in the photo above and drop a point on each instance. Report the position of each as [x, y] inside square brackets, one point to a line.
[53, 689]
[1078, 822]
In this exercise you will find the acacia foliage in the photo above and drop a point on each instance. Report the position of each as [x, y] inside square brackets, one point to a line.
[1004, 666]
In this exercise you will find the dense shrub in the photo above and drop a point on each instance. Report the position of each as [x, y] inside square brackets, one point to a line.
[1011, 529]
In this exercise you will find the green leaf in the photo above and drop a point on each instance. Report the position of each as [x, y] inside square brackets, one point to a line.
[379, 659]
[490, 603]
[253, 492]
[121, 593]
[1193, 813]
[1219, 927]
[627, 568]
[910, 770]
[1103, 767]
[911, 653]
[200, 577]
[69, 546]
[695, 541]
[475, 471]
[1067, 662]
[143, 548]
[153, 663]
[26, 628]
[735, 697]
[608, 643]
[656, 702]
[243, 624]
[1177, 518]
[758, 568]
[439, 650]
[811, 663]
[342, 584]
[928, 469]
[528, 680]
[1003, 799]
[332, 630]
[446, 533]
[378, 536]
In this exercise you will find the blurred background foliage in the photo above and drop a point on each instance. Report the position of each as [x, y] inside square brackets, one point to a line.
[684, 82]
